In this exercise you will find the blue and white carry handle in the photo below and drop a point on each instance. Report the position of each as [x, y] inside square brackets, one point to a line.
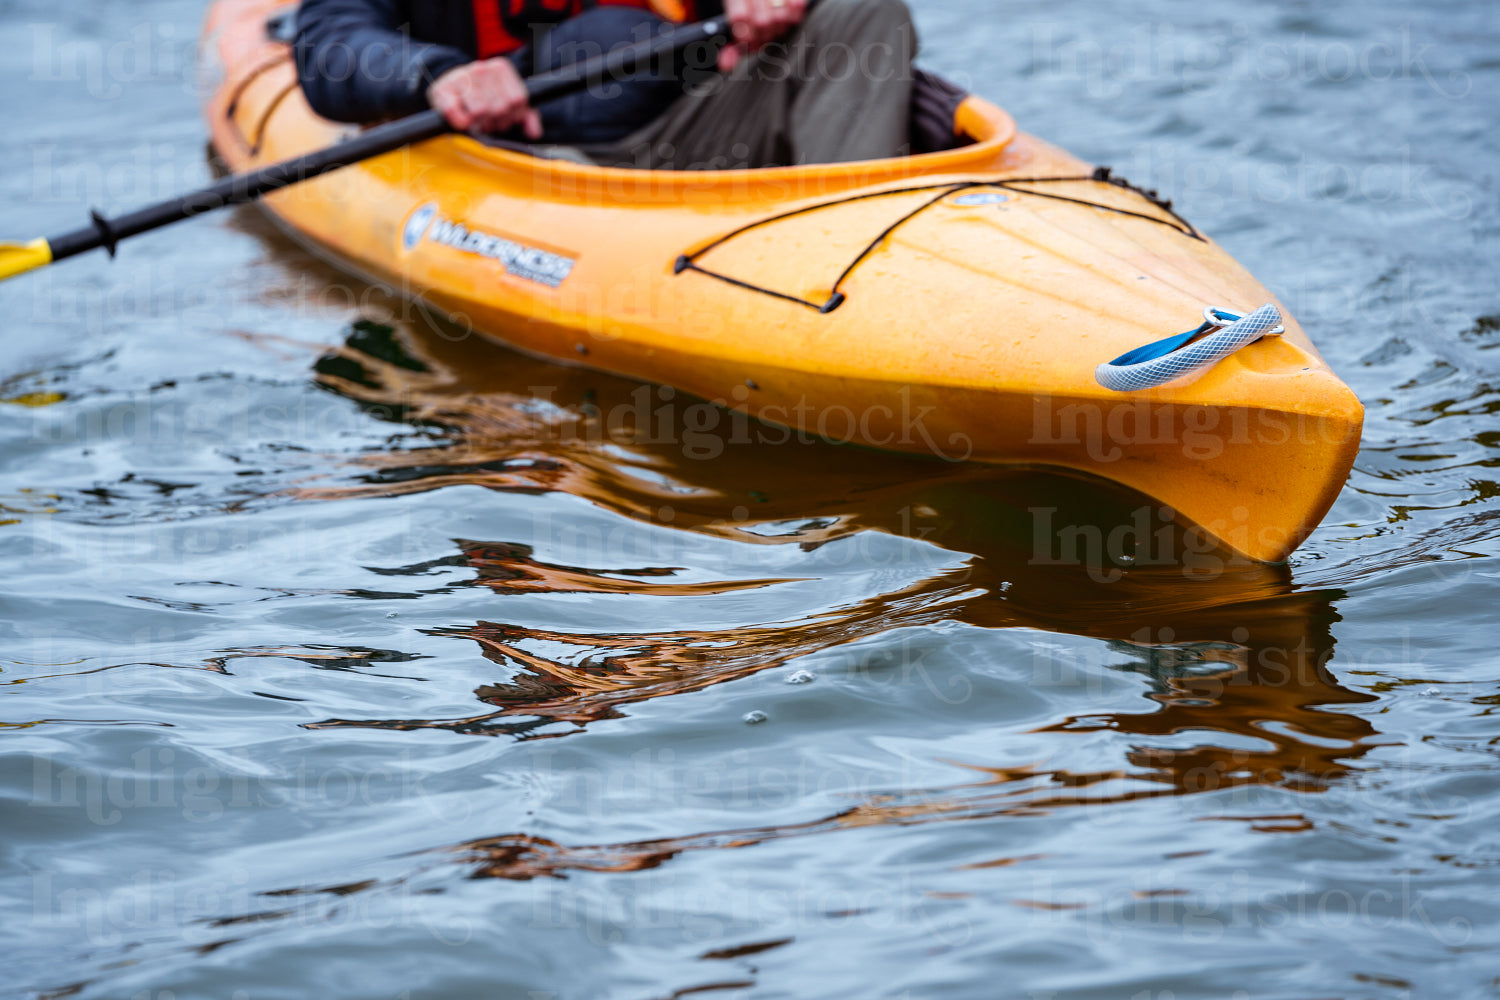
[1159, 363]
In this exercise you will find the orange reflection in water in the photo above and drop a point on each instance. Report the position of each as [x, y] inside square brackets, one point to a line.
[1230, 648]
[1272, 688]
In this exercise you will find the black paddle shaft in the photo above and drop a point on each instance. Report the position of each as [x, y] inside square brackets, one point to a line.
[239, 189]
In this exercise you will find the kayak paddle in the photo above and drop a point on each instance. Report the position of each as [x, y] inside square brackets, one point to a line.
[239, 189]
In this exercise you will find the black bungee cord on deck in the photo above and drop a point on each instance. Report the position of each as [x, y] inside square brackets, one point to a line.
[689, 262]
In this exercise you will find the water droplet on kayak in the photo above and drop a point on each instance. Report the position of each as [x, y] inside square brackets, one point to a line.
[755, 718]
[802, 677]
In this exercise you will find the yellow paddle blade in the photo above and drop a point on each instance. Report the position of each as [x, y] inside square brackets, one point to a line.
[18, 258]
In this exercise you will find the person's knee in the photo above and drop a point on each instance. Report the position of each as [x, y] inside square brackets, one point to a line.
[863, 25]
[879, 16]
[894, 12]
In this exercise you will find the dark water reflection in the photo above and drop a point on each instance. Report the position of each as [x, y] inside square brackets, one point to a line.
[1007, 572]
[348, 654]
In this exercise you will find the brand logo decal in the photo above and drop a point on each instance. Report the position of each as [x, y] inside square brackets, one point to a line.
[530, 263]
[416, 226]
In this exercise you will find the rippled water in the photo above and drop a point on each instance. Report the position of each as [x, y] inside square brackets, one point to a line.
[346, 656]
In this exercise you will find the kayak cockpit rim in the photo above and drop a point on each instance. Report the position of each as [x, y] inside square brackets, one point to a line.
[991, 127]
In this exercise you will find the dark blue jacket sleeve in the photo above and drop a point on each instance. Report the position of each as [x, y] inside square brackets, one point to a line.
[357, 63]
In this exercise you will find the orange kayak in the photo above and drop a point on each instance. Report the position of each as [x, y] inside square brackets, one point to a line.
[955, 303]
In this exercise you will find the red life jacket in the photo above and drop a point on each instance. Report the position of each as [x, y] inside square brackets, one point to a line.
[502, 26]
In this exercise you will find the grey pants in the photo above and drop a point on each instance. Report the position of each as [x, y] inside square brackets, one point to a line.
[837, 89]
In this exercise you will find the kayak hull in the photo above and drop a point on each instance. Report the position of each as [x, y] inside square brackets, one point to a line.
[970, 332]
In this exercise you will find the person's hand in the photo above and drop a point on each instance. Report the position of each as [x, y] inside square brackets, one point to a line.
[485, 96]
[757, 23]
